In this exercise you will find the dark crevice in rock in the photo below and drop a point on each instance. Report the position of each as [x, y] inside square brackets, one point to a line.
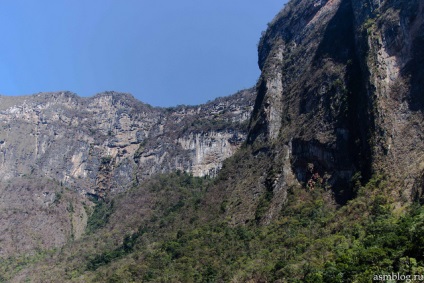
[414, 70]
[257, 126]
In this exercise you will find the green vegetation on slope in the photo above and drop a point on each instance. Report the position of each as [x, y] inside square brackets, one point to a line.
[312, 240]
[100, 215]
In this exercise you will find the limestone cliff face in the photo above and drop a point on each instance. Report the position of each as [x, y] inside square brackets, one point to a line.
[56, 148]
[66, 138]
[390, 35]
[197, 139]
[341, 92]
[307, 100]
[209, 149]
[107, 142]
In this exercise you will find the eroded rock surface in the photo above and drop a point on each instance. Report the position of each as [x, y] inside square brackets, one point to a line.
[105, 143]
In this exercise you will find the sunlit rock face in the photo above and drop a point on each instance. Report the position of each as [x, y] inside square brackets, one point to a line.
[108, 142]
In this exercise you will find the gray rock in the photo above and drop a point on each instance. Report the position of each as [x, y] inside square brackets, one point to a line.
[105, 143]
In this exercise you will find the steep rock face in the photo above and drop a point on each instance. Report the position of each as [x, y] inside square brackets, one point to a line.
[210, 149]
[57, 148]
[107, 142]
[304, 104]
[390, 34]
[197, 139]
[341, 93]
[66, 138]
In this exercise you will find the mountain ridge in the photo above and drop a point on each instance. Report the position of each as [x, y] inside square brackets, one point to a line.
[325, 182]
[116, 127]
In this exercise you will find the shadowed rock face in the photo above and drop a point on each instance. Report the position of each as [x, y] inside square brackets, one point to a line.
[341, 90]
[107, 142]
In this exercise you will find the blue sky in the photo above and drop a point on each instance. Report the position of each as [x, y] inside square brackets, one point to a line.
[165, 52]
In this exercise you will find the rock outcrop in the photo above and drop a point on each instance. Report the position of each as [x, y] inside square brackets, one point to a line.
[103, 144]
[57, 148]
[341, 93]
[340, 96]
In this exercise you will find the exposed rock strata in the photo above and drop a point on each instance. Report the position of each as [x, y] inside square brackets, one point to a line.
[107, 142]
[340, 93]
[57, 147]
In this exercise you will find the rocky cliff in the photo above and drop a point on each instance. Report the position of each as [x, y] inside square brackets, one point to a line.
[341, 92]
[57, 148]
[111, 141]
[318, 186]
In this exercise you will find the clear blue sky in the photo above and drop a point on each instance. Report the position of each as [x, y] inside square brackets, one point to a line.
[163, 52]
